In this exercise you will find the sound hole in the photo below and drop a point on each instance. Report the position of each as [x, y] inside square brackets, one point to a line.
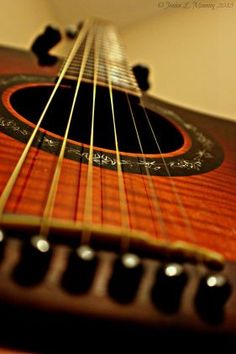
[29, 102]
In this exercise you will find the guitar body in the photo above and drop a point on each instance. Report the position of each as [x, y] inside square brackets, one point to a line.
[196, 199]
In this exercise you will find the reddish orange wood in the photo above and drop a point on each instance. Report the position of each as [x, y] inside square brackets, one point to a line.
[209, 199]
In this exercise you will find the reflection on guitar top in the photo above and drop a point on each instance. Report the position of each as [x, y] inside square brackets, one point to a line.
[116, 209]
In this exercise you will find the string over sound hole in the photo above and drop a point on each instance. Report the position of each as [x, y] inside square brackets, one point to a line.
[30, 102]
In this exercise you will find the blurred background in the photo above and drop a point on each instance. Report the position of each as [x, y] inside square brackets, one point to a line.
[189, 46]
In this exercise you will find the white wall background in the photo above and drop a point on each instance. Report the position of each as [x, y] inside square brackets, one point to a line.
[191, 52]
[22, 20]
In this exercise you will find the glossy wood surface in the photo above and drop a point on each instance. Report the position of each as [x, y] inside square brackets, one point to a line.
[208, 199]
[46, 317]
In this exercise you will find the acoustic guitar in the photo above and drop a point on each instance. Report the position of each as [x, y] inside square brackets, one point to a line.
[117, 210]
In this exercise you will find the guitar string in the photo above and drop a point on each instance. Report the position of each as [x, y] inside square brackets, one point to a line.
[88, 204]
[48, 210]
[152, 193]
[9, 186]
[151, 184]
[154, 198]
[125, 221]
[14, 175]
[88, 209]
[180, 204]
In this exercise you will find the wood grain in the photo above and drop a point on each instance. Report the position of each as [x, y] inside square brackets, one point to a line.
[46, 317]
[208, 200]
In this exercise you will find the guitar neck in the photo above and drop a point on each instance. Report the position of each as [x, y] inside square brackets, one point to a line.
[100, 54]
